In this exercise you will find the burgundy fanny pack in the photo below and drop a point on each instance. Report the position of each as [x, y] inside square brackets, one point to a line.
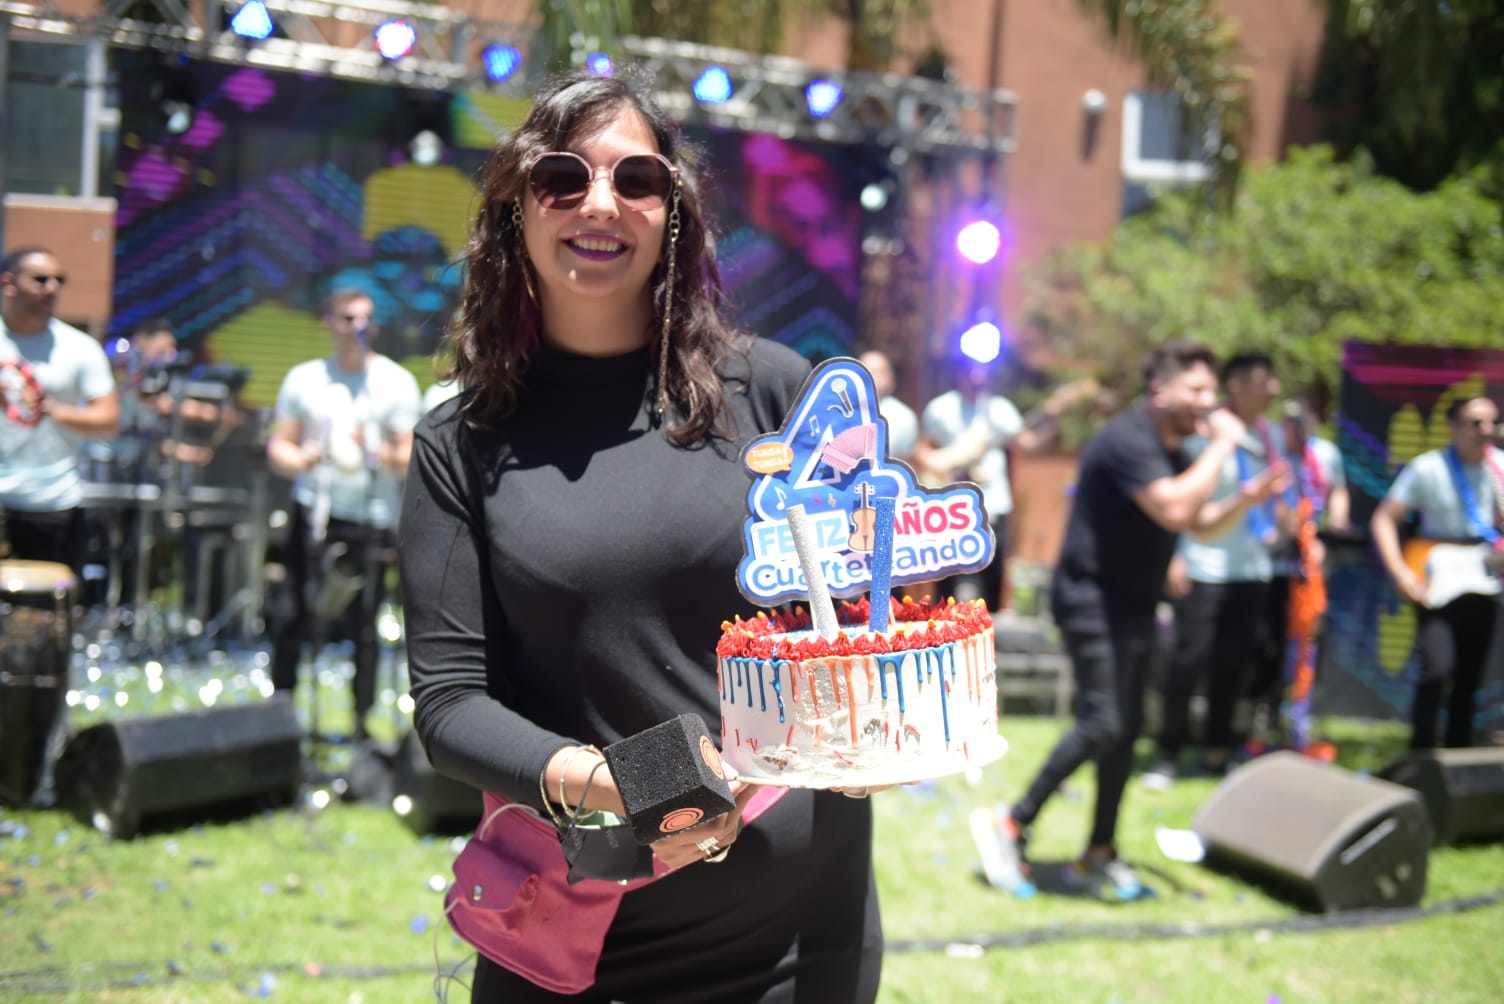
[512, 898]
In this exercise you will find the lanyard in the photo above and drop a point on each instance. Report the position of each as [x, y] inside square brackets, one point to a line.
[1261, 516]
[1313, 483]
[1478, 524]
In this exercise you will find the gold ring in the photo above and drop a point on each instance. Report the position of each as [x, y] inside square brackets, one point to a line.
[718, 858]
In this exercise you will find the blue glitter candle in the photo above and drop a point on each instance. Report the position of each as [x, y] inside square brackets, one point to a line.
[882, 564]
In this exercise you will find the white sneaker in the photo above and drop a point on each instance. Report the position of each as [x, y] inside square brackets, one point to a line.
[1000, 847]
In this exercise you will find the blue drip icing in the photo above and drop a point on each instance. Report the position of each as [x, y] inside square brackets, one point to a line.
[948, 649]
[883, 662]
[762, 692]
[778, 690]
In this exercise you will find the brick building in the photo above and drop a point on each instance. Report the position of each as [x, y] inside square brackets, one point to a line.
[1091, 143]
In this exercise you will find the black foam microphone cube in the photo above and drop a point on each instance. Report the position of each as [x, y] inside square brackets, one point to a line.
[670, 778]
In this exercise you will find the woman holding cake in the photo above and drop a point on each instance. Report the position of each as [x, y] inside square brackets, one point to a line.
[569, 542]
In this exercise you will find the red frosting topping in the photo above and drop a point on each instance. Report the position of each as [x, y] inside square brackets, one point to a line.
[766, 636]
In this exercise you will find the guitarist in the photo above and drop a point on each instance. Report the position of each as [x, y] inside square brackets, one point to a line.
[1457, 493]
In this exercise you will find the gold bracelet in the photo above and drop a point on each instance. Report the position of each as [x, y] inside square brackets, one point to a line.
[548, 806]
[564, 774]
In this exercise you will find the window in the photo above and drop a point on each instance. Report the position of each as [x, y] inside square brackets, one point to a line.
[1156, 145]
[59, 116]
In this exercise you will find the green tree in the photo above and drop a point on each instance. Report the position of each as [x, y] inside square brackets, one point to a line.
[1319, 252]
[1191, 49]
[1420, 85]
[750, 25]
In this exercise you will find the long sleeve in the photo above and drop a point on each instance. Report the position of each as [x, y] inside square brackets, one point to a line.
[456, 632]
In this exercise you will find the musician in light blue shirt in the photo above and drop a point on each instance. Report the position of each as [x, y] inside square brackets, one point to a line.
[1458, 494]
[1227, 562]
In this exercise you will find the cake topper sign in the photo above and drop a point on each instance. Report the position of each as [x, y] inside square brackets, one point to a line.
[831, 458]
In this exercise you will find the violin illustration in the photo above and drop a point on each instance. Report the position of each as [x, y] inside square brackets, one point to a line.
[864, 519]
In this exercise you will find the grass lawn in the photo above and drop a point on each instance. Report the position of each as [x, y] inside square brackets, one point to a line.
[343, 905]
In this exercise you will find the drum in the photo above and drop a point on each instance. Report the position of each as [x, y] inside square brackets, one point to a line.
[36, 629]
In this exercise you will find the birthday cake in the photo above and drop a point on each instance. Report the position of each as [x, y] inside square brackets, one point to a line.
[916, 701]
[881, 691]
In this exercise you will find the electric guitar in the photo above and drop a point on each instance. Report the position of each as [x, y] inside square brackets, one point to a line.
[1450, 570]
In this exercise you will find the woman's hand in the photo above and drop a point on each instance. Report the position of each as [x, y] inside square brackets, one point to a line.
[709, 841]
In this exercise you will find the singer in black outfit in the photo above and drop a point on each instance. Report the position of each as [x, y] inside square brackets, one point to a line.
[568, 544]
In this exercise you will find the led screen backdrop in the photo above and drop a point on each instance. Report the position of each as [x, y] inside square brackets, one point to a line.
[1392, 407]
[286, 186]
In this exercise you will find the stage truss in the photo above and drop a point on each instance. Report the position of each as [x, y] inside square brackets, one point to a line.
[334, 39]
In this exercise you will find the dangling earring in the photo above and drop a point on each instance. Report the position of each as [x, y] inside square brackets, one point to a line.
[527, 278]
[668, 303]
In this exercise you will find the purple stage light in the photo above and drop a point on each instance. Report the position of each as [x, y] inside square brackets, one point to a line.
[822, 96]
[599, 63]
[501, 62]
[253, 21]
[395, 39]
[982, 342]
[713, 86]
[979, 242]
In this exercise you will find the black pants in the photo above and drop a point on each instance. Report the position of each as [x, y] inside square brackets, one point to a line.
[1453, 642]
[47, 536]
[291, 609]
[1111, 671]
[1217, 626]
[1266, 680]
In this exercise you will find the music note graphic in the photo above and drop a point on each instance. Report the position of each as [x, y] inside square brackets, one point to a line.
[847, 409]
[814, 426]
[783, 499]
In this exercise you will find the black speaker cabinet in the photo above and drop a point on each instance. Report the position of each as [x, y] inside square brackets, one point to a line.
[1322, 835]
[427, 801]
[1463, 791]
[171, 769]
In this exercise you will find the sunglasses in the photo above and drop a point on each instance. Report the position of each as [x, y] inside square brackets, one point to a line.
[642, 181]
[47, 280]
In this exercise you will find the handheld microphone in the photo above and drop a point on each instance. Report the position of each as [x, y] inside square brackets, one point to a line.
[670, 778]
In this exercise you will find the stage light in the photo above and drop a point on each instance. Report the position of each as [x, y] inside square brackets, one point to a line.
[599, 64]
[979, 242]
[982, 342]
[395, 39]
[822, 96]
[426, 148]
[874, 197]
[712, 86]
[501, 62]
[179, 116]
[252, 21]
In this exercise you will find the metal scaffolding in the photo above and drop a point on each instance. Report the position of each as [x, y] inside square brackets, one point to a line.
[334, 39]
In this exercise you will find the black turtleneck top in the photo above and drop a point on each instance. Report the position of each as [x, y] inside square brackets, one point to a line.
[565, 574]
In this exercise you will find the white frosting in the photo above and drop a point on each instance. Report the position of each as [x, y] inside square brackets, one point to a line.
[861, 719]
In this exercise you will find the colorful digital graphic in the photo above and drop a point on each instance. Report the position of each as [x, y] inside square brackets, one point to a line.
[1392, 408]
[286, 186]
[831, 459]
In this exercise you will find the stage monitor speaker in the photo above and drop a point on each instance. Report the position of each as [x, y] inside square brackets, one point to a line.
[1463, 791]
[427, 801]
[1325, 837]
[168, 770]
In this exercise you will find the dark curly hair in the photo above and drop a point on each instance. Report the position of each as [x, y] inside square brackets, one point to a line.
[497, 328]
